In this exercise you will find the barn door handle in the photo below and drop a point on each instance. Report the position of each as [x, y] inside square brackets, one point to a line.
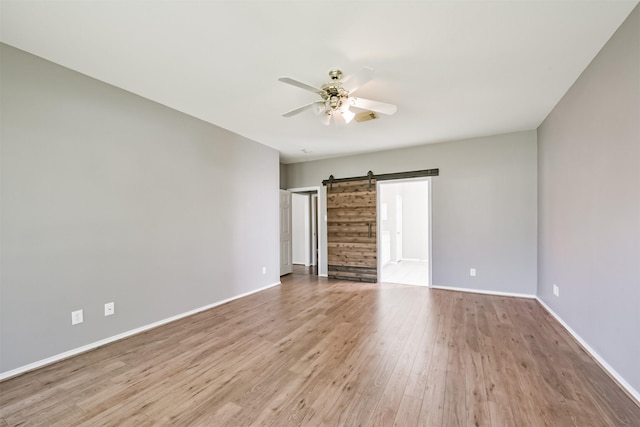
[369, 230]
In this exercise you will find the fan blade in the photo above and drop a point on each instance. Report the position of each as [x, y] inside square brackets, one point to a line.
[298, 110]
[378, 107]
[301, 85]
[301, 109]
[359, 79]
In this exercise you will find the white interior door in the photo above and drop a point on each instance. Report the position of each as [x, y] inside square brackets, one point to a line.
[300, 229]
[286, 266]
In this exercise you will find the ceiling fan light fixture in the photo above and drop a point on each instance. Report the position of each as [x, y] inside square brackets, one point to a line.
[336, 98]
[348, 115]
[339, 119]
[319, 107]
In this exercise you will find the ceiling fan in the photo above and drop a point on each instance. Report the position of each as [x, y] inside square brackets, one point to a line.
[337, 98]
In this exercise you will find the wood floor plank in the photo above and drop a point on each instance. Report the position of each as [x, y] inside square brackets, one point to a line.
[321, 352]
[434, 377]
[408, 412]
[497, 381]
[477, 408]
[389, 404]
[454, 411]
[379, 374]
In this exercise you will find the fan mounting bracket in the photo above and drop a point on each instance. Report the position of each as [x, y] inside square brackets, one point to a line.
[335, 74]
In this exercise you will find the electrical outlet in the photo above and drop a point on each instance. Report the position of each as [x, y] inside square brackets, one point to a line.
[472, 272]
[264, 270]
[109, 309]
[76, 317]
[556, 290]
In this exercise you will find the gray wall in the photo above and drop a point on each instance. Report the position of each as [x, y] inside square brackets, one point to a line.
[589, 204]
[483, 205]
[106, 197]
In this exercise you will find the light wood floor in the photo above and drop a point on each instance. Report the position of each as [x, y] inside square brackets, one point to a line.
[320, 352]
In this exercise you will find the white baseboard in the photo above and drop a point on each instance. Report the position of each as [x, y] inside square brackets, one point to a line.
[632, 392]
[484, 292]
[96, 344]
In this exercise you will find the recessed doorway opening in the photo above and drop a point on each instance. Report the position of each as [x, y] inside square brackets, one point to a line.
[304, 230]
[404, 231]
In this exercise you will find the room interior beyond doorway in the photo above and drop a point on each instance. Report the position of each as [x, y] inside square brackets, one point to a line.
[404, 231]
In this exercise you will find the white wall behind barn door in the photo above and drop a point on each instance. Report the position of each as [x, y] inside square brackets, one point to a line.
[301, 229]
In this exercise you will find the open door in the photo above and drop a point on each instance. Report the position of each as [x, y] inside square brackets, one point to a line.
[286, 265]
[351, 230]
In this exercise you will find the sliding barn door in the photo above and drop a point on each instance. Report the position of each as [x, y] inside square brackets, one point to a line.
[351, 230]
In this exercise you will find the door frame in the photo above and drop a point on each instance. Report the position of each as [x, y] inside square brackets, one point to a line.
[322, 224]
[426, 179]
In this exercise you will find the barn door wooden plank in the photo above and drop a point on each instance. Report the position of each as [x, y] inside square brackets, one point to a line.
[351, 230]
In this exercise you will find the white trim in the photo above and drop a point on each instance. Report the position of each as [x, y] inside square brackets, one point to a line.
[484, 292]
[323, 275]
[322, 224]
[633, 393]
[96, 344]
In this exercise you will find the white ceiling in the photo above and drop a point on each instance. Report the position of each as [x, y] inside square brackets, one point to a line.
[456, 69]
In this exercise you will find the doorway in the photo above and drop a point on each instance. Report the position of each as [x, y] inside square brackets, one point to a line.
[304, 231]
[405, 231]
